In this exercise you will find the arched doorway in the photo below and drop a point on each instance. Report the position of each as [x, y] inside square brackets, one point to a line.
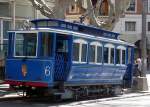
[138, 53]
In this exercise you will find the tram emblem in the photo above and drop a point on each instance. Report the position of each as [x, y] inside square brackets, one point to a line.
[24, 70]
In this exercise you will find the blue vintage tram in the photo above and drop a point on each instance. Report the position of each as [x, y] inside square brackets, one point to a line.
[59, 57]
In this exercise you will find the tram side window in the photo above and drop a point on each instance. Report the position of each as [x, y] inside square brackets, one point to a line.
[92, 53]
[95, 52]
[106, 54]
[62, 46]
[47, 44]
[84, 53]
[123, 56]
[129, 55]
[80, 51]
[99, 54]
[76, 51]
[118, 56]
[112, 56]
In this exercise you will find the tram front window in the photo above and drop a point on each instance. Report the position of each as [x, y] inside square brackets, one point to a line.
[25, 44]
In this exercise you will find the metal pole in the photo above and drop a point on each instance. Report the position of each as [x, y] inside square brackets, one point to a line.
[1, 33]
[13, 7]
[143, 38]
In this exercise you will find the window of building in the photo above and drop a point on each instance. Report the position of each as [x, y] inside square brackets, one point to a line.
[104, 8]
[5, 47]
[47, 44]
[4, 9]
[80, 51]
[148, 26]
[95, 52]
[6, 27]
[19, 24]
[130, 26]
[26, 11]
[132, 6]
[149, 6]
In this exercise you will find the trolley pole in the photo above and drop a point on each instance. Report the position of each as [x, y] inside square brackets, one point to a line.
[143, 79]
[141, 82]
[143, 38]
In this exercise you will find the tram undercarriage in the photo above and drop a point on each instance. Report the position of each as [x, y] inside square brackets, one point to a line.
[71, 92]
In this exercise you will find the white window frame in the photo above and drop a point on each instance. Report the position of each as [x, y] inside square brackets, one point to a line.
[96, 44]
[109, 46]
[128, 30]
[121, 48]
[148, 6]
[81, 42]
[15, 45]
[135, 8]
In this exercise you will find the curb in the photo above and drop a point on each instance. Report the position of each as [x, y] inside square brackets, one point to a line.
[112, 98]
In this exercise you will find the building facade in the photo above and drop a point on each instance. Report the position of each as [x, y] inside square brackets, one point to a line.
[12, 15]
[14, 12]
[130, 27]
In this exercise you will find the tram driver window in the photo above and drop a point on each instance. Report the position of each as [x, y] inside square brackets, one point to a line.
[25, 44]
[47, 44]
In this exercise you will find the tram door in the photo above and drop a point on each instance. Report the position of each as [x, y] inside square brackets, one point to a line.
[62, 56]
[129, 71]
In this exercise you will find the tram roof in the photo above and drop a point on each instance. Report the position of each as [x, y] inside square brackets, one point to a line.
[77, 27]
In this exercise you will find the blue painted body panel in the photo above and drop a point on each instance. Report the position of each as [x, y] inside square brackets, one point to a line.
[37, 70]
[96, 74]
